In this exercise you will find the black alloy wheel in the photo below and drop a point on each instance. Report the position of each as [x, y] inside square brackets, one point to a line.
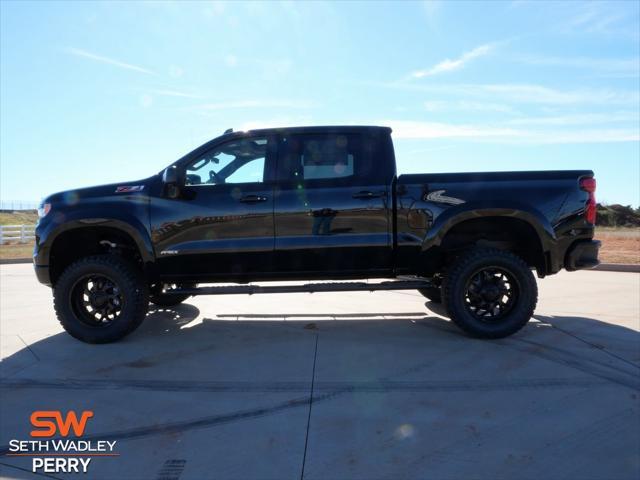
[101, 298]
[491, 293]
[97, 300]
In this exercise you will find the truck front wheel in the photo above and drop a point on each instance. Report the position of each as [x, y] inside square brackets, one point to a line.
[100, 299]
[490, 293]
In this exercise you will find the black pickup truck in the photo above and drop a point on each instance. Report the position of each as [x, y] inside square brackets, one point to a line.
[311, 203]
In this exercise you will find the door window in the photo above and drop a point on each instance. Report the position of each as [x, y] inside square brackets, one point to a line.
[333, 159]
[318, 157]
[240, 160]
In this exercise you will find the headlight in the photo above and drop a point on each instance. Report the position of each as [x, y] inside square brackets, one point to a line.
[43, 209]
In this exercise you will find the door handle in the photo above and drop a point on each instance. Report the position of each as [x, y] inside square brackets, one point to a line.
[368, 194]
[253, 199]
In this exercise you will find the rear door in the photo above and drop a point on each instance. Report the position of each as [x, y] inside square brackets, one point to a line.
[333, 204]
[222, 225]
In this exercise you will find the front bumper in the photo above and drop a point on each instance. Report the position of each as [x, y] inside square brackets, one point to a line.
[42, 274]
[582, 255]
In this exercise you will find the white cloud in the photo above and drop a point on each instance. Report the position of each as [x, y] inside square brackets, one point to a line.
[540, 94]
[579, 119]
[449, 65]
[525, 93]
[99, 58]
[500, 134]
[626, 66]
[432, 9]
[278, 122]
[255, 104]
[175, 93]
[431, 130]
[467, 106]
[600, 18]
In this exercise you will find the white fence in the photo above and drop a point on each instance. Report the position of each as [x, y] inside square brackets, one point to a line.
[16, 234]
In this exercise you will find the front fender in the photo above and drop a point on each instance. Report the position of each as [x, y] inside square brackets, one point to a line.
[132, 221]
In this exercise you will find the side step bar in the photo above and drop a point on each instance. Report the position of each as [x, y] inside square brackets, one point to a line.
[305, 288]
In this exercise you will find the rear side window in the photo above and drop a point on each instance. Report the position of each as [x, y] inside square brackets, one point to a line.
[330, 159]
[326, 158]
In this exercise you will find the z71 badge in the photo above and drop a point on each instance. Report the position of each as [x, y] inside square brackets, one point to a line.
[129, 188]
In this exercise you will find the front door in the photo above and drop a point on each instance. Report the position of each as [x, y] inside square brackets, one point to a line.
[332, 206]
[221, 227]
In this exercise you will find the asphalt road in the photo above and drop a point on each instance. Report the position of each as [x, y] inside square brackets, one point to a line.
[337, 385]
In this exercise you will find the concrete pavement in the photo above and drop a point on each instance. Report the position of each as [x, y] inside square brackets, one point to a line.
[221, 387]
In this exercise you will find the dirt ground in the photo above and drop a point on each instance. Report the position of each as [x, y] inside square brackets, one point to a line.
[619, 245]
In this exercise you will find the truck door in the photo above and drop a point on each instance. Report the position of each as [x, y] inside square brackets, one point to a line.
[333, 204]
[222, 224]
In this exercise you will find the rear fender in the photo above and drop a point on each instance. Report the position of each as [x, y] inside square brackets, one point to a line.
[453, 216]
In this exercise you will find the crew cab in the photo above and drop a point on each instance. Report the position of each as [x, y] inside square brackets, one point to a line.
[305, 204]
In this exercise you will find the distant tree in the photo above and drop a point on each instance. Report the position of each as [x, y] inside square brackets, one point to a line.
[618, 216]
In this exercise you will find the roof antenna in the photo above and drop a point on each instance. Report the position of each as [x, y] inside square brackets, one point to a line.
[228, 130]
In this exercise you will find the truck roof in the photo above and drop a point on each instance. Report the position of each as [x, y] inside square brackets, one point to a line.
[229, 133]
[311, 129]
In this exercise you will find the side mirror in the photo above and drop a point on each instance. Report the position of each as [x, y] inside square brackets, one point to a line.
[170, 175]
[171, 181]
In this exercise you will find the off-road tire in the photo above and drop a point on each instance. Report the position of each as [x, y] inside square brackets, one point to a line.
[460, 274]
[132, 288]
[169, 300]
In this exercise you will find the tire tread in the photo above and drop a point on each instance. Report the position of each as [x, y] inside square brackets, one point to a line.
[479, 255]
[133, 282]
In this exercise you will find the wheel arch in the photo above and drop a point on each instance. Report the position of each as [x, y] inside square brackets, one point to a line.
[88, 236]
[524, 231]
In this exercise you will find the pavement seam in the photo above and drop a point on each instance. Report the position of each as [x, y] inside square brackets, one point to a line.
[378, 386]
[29, 348]
[313, 378]
[597, 347]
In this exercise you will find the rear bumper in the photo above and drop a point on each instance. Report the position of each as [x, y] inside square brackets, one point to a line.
[582, 255]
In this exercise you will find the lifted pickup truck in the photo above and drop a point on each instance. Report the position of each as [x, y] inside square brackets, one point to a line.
[311, 203]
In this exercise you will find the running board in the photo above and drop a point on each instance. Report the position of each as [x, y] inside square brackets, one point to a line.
[305, 288]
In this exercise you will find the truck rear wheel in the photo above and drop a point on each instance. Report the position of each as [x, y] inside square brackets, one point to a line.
[100, 299]
[161, 299]
[490, 293]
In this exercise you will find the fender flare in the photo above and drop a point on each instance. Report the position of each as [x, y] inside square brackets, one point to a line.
[131, 228]
[451, 217]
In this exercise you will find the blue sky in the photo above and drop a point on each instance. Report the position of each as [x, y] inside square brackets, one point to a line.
[103, 92]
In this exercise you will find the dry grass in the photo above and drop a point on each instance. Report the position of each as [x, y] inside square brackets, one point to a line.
[619, 245]
[26, 217]
[20, 250]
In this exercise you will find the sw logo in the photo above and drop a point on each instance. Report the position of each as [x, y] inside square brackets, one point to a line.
[51, 421]
[68, 452]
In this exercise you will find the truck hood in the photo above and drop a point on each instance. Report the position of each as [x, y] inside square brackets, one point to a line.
[71, 197]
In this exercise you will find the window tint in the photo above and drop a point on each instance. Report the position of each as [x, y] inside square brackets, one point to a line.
[317, 157]
[236, 161]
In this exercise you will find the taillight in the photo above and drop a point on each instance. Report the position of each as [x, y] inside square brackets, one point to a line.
[589, 186]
